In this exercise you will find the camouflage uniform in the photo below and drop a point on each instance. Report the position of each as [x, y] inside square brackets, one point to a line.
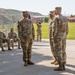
[39, 32]
[60, 33]
[3, 40]
[26, 34]
[13, 38]
[51, 35]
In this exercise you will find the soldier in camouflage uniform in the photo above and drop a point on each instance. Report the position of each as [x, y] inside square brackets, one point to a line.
[3, 40]
[60, 33]
[26, 34]
[51, 35]
[39, 32]
[13, 38]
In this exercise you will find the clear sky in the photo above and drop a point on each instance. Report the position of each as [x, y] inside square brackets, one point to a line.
[42, 6]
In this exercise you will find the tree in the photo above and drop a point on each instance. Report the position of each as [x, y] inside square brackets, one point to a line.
[72, 15]
[46, 19]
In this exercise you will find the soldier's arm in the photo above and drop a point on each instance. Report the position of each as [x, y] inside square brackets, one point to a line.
[19, 30]
[63, 27]
[55, 27]
[33, 31]
[67, 27]
[4, 35]
[37, 24]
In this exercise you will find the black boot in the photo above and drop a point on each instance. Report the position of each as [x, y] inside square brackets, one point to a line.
[64, 66]
[3, 50]
[30, 62]
[60, 68]
[9, 49]
[26, 63]
[19, 48]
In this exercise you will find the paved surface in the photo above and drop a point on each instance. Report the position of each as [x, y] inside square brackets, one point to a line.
[11, 61]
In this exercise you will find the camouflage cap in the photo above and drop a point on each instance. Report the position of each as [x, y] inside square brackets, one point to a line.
[51, 12]
[25, 12]
[58, 8]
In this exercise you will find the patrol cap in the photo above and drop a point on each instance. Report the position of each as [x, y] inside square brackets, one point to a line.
[58, 8]
[25, 12]
[51, 12]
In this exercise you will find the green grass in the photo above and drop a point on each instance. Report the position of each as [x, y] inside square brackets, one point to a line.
[5, 27]
[71, 34]
[45, 30]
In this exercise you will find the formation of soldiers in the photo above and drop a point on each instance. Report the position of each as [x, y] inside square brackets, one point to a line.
[58, 30]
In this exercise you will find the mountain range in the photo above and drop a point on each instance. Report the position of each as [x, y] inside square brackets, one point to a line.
[16, 15]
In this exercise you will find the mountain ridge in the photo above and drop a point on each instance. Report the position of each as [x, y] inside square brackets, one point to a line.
[16, 15]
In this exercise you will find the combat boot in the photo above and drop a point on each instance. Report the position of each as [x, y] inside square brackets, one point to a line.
[60, 68]
[19, 48]
[9, 49]
[3, 50]
[40, 40]
[56, 63]
[53, 62]
[64, 65]
[26, 63]
[30, 62]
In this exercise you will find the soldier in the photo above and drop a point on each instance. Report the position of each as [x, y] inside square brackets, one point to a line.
[26, 34]
[60, 34]
[51, 35]
[39, 32]
[13, 38]
[3, 40]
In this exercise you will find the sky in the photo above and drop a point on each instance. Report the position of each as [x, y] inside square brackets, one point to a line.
[41, 6]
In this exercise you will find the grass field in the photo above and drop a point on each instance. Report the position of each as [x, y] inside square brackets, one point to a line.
[71, 34]
[45, 30]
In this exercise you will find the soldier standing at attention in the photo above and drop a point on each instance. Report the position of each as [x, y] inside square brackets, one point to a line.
[60, 34]
[13, 38]
[51, 35]
[3, 39]
[39, 32]
[26, 34]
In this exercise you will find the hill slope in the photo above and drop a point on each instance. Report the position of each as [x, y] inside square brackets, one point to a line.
[16, 15]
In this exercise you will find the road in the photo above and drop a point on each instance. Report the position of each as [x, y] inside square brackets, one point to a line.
[11, 61]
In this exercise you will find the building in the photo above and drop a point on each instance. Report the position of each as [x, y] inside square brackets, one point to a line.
[38, 18]
[71, 19]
